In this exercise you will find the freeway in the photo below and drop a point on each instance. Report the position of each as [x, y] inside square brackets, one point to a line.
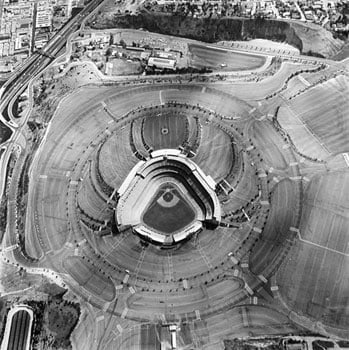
[18, 82]
[39, 60]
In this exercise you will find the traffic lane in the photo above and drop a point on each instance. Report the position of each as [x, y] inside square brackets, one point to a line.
[56, 46]
[200, 298]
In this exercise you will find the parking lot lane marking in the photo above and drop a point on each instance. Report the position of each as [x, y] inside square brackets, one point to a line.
[124, 313]
[295, 178]
[262, 278]
[252, 110]
[100, 318]
[346, 158]
[197, 314]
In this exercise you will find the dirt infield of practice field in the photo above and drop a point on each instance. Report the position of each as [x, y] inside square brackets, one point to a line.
[320, 287]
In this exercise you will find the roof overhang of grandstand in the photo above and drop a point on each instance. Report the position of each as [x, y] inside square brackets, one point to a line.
[167, 198]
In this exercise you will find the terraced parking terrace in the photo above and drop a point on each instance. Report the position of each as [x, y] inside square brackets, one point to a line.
[179, 210]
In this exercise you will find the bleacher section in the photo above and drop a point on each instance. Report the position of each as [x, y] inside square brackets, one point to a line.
[167, 166]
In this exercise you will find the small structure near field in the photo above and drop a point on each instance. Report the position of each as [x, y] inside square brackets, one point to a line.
[163, 63]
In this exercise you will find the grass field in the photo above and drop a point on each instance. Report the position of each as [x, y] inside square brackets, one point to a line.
[164, 130]
[319, 288]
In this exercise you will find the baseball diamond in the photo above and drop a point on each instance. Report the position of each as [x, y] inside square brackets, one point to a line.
[203, 211]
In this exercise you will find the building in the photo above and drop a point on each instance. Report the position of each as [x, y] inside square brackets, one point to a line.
[44, 15]
[162, 63]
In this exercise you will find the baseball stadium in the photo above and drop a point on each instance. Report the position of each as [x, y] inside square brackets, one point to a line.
[191, 212]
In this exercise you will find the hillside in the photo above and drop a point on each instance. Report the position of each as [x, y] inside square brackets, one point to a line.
[309, 39]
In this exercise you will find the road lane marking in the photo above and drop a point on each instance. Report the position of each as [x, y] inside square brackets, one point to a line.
[11, 248]
[248, 289]
[303, 80]
[262, 278]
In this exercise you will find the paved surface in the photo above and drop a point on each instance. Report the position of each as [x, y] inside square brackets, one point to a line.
[269, 193]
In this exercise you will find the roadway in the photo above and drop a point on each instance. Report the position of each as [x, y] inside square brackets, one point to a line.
[68, 146]
[202, 278]
[17, 83]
